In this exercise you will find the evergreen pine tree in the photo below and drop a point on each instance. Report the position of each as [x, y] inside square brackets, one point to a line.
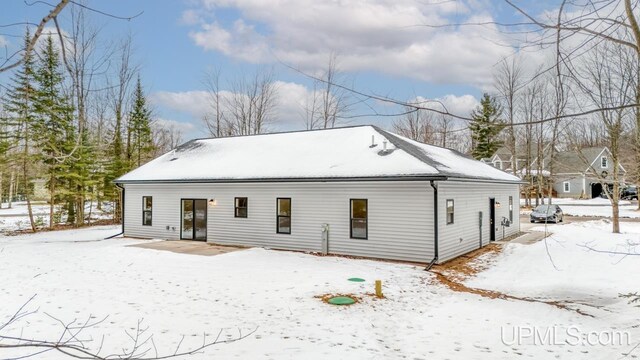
[114, 166]
[83, 174]
[141, 140]
[5, 155]
[485, 127]
[54, 123]
[19, 124]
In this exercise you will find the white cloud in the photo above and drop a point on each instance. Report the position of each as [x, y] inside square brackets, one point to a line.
[382, 35]
[292, 101]
[52, 32]
[240, 41]
[459, 105]
[3, 41]
[194, 103]
[183, 127]
[191, 17]
[456, 105]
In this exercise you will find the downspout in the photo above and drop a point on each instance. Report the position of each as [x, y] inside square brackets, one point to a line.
[121, 213]
[435, 226]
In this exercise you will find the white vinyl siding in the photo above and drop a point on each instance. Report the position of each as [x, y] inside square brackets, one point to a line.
[470, 198]
[399, 215]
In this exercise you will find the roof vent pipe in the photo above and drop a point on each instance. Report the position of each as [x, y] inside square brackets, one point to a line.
[384, 145]
[373, 141]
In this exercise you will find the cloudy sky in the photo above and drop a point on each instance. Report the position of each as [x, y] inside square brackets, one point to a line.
[397, 48]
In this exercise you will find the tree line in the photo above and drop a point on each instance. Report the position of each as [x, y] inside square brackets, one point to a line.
[74, 118]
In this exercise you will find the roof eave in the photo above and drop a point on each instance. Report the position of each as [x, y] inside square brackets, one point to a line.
[497, 181]
[273, 180]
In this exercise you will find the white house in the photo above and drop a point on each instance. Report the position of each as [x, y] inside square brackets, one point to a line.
[358, 191]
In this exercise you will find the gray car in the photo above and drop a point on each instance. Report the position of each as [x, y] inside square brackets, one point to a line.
[547, 213]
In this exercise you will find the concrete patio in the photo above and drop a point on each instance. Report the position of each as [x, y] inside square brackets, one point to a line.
[189, 247]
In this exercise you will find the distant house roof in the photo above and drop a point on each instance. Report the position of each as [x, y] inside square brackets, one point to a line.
[580, 161]
[576, 161]
[502, 154]
[330, 154]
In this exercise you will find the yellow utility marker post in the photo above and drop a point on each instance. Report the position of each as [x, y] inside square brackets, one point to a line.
[379, 289]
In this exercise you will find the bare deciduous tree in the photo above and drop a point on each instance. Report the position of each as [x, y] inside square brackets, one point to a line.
[119, 91]
[166, 137]
[445, 132]
[214, 120]
[608, 79]
[329, 101]
[332, 102]
[416, 125]
[508, 80]
[251, 104]
[83, 62]
[18, 56]
[71, 343]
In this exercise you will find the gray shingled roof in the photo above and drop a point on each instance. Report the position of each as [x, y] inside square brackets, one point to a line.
[576, 161]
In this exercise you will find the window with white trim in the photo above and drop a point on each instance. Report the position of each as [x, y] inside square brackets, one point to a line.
[566, 186]
[449, 211]
[604, 162]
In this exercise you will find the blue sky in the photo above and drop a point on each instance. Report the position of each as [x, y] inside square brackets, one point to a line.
[382, 46]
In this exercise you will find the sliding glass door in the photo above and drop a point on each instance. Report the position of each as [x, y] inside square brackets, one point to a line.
[194, 219]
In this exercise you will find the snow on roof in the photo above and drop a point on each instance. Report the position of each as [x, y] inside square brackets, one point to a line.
[338, 153]
[450, 163]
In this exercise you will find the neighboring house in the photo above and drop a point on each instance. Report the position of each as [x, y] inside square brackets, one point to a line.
[358, 191]
[503, 160]
[581, 173]
[577, 173]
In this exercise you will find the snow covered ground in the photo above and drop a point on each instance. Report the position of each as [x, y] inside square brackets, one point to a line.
[17, 217]
[593, 207]
[75, 275]
[581, 264]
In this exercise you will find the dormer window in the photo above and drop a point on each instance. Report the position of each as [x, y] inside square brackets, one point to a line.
[604, 162]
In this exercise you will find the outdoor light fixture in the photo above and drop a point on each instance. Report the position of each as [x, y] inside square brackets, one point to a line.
[498, 204]
[213, 202]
